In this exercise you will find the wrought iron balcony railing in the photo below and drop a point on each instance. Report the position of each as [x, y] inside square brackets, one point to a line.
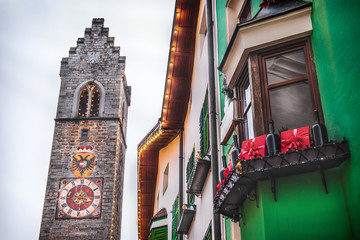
[198, 176]
[238, 185]
[186, 218]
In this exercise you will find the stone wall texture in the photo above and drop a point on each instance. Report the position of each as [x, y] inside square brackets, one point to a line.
[94, 59]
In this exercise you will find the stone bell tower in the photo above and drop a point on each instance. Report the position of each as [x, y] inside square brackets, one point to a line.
[85, 180]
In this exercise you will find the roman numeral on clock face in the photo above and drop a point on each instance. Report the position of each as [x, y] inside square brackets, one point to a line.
[79, 198]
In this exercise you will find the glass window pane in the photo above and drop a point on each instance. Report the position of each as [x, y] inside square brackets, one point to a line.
[246, 96]
[95, 103]
[249, 125]
[83, 103]
[165, 178]
[84, 133]
[291, 106]
[285, 67]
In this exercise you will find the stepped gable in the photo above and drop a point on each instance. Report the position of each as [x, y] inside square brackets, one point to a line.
[95, 48]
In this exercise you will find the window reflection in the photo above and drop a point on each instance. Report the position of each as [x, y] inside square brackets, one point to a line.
[285, 66]
[291, 106]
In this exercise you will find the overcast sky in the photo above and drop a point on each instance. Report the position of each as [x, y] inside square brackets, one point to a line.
[34, 36]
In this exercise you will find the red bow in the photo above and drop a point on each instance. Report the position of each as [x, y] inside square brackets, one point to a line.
[250, 149]
[226, 172]
[264, 3]
[219, 185]
[293, 141]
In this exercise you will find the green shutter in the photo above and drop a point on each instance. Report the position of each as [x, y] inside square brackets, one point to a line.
[158, 234]
[190, 198]
[228, 228]
[204, 126]
[190, 166]
[208, 234]
[175, 218]
[150, 236]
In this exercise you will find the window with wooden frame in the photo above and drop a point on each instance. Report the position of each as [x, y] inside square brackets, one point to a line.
[204, 127]
[289, 85]
[243, 94]
[285, 86]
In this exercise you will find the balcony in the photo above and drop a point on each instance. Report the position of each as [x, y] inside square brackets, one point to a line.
[186, 219]
[239, 185]
[198, 175]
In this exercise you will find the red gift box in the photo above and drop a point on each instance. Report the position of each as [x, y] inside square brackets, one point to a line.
[296, 138]
[253, 148]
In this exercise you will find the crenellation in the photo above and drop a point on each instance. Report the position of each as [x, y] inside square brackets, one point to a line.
[80, 40]
[72, 50]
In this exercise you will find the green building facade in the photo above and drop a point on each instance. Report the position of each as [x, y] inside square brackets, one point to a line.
[301, 208]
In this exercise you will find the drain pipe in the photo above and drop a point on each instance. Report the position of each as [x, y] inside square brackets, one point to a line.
[213, 123]
[181, 168]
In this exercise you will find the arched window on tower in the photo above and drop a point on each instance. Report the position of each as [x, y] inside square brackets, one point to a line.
[89, 101]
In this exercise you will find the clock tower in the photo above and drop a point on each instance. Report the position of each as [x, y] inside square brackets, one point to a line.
[84, 188]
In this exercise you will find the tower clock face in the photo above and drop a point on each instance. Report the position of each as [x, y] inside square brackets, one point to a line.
[79, 198]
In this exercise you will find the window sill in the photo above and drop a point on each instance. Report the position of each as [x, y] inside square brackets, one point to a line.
[239, 186]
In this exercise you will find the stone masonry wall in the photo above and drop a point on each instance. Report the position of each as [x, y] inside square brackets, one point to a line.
[94, 59]
[104, 137]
